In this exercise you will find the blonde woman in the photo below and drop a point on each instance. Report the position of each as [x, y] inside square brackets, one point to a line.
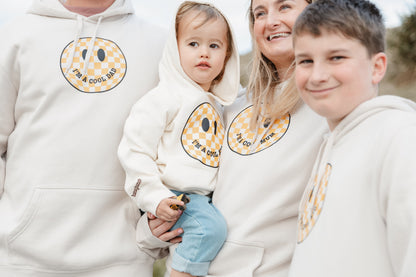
[272, 139]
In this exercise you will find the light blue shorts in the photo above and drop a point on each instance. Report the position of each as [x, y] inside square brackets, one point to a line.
[205, 231]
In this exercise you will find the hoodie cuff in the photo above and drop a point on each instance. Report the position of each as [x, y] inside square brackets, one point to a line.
[150, 197]
[146, 240]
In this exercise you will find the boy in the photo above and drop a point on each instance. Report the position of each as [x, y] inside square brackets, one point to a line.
[358, 213]
[173, 136]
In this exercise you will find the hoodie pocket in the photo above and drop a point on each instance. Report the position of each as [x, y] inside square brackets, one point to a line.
[237, 259]
[75, 229]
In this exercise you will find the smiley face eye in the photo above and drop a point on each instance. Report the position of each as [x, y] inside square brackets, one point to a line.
[205, 124]
[266, 123]
[84, 53]
[101, 54]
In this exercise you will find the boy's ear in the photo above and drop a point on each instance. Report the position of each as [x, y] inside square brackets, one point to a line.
[379, 67]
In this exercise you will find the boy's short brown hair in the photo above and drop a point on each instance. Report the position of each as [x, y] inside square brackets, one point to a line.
[356, 19]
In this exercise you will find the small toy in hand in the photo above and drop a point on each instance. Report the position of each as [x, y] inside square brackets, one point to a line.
[185, 199]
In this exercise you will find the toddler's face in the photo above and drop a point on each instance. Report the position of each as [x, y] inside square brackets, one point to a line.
[334, 74]
[202, 48]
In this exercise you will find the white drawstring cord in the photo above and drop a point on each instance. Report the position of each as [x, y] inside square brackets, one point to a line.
[91, 48]
[321, 168]
[74, 44]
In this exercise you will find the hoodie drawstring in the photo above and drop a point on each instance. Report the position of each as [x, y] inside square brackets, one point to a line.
[320, 169]
[314, 194]
[91, 47]
[80, 25]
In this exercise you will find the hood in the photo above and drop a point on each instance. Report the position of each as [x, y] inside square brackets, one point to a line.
[171, 73]
[54, 8]
[369, 108]
[355, 118]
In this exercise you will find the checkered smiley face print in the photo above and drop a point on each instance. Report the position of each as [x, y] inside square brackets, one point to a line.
[106, 66]
[203, 135]
[312, 205]
[244, 141]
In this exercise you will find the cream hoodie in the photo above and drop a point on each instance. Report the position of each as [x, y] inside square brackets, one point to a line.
[358, 213]
[260, 184]
[63, 208]
[173, 136]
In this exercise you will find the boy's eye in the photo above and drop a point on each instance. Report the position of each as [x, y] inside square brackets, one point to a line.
[193, 44]
[284, 7]
[337, 58]
[214, 45]
[304, 61]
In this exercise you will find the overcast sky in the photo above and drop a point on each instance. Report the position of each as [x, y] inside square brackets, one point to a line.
[162, 12]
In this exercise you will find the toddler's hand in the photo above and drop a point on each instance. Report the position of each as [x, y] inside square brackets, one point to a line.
[165, 212]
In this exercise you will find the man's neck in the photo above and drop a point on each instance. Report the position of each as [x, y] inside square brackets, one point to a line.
[87, 7]
[88, 3]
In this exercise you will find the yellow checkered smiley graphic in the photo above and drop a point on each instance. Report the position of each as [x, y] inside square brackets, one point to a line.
[203, 135]
[104, 70]
[244, 141]
[313, 205]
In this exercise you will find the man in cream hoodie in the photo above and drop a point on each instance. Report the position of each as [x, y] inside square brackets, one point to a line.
[69, 76]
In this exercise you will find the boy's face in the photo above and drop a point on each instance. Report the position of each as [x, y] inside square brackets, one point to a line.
[335, 74]
[202, 49]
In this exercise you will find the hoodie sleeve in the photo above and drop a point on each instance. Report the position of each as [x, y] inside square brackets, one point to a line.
[138, 149]
[8, 93]
[398, 194]
[147, 242]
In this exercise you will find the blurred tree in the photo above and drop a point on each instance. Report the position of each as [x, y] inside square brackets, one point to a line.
[401, 43]
[159, 268]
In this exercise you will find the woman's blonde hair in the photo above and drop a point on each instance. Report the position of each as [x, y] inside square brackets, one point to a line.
[210, 12]
[263, 82]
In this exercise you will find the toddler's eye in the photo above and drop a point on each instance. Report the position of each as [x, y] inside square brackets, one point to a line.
[214, 45]
[193, 44]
